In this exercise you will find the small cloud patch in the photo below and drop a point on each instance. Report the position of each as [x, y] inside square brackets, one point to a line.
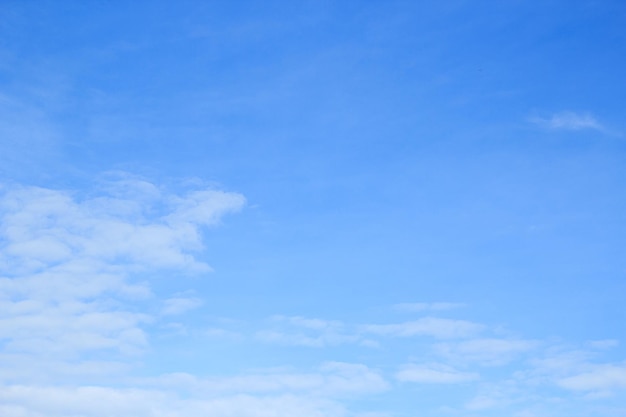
[568, 120]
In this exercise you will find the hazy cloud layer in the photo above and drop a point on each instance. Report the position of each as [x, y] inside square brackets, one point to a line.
[77, 311]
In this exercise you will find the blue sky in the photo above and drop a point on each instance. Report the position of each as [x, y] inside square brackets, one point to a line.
[315, 208]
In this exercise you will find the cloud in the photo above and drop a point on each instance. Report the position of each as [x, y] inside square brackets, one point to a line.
[576, 371]
[603, 344]
[96, 401]
[300, 331]
[44, 228]
[568, 120]
[486, 351]
[605, 377]
[434, 374]
[329, 380]
[427, 326]
[310, 323]
[67, 264]
[271, 393]
[310, 332]
[180, 305]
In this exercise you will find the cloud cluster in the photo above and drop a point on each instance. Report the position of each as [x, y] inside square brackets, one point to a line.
[261, 394]
[76, 309]
[506, 373]
[67, 289]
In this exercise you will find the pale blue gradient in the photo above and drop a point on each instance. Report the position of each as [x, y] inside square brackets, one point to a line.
[388, 152]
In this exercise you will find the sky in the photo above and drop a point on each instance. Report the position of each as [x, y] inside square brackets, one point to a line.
[312, 208]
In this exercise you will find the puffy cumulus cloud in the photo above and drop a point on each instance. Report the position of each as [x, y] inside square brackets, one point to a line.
[67, 261]
[434, 373]
[134, 224]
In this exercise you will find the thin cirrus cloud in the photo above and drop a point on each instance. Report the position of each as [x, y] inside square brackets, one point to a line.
[434, 373]
[486, 351]
[329, 380]
[180, 305]
[599, 378]
[302, 331]
[436, 327]
[569, 120]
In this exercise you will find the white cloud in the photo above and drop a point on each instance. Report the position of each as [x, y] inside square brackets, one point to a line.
[95, 401]
[330, 380]
[427, 326]
[43, 227]
[66, 264]
[603, 344]
[481, 402]
[300, 339]
[180, 305]
[273, 393]
[310, 332]
[568, 120]
[310, 323]
[434, 373]
[577, 371]
[605, 377]
[486, 351]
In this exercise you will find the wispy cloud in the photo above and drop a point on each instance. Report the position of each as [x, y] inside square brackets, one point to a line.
[599, 378]
[568, 120]
[434, 373]
[180, 304]
[486, 351]
[427, 326]
[603, 344]
[311, 332]
[330, 379]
